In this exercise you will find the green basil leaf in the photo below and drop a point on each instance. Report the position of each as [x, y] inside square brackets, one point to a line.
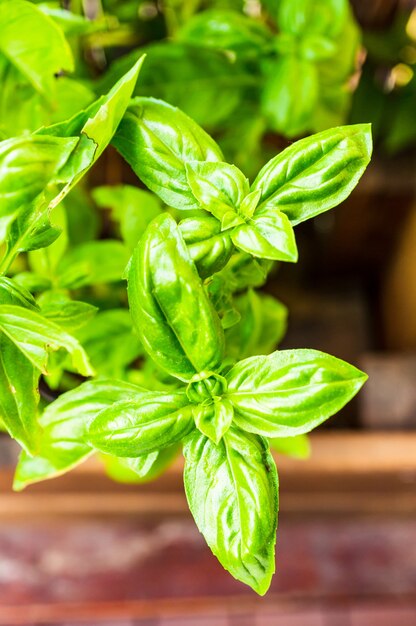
[297, 447]
[27, 165]
[66, 313]
[307, 17]
[268, 235]
[34, 44]
[13, 293]
[133, 208]
[18, 395]
[290, 392]
[35, 336]
[110, 342]
[64, 423]
[214, 420]
[314, 174]
[232, 491]
[172, 72]
[143, 425]
[95, 127]
[226, 30]
[157, 140]
[263, 321]
[209, 248]
[93, 262]
[289, 96]
[218, 187]
[142, 468]
[45, 260]
[244, 271]
[165, 293]
[221, 297]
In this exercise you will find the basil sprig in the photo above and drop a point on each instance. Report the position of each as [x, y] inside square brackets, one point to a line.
[221, 395]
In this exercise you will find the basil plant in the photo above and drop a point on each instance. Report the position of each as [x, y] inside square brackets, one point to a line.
[193, 367]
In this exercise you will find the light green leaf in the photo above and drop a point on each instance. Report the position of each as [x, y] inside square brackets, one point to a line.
[290, 94]
[314, 174]
[227, 30]
[142, 468]
[34, 44]
[44, 261]
[27, 165]
[36, 337]
[143, 425]
[261, 327]
[95, 127]
[19, 395]
[232, 491]
[268, 236]
[214, 419]
[297, 447]
[133, 208]
[64, 424]
[69, 314]
[170, 309]
[290, 392]
[157, 140]
[218, 187]
[12, 292]
[93, 262]
[110, 342]
[208, 247]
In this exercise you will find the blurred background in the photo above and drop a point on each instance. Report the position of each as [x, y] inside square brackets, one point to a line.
[82, 549]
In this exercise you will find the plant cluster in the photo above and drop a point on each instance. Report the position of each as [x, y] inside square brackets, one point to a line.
[193, 365]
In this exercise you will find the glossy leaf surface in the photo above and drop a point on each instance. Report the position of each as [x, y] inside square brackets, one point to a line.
[268, 236]
[314, 174]
[143, 425]
[232, 491]
[19, 396]
[290, 392]
[64, 424]
[36, 337]
[170, 309]
[157, 140]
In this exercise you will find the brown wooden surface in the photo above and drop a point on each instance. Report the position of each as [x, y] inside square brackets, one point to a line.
[348, 472]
